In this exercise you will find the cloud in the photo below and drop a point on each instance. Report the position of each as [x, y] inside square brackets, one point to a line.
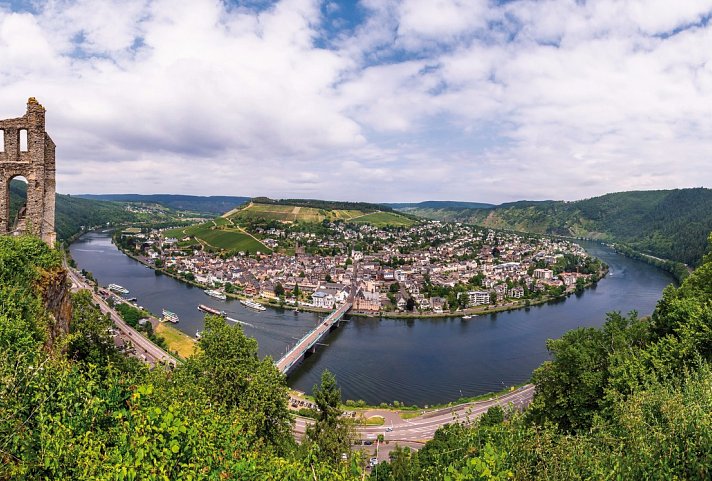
[448, 99]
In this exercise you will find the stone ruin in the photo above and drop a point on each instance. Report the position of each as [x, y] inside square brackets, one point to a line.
[26, 150]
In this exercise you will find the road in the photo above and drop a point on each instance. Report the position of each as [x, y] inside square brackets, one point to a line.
[416, 431]
[153, 353]
[285, 363]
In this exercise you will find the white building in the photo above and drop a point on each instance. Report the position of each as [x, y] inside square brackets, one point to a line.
[477, 298]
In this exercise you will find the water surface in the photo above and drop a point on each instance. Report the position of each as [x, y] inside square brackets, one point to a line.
[421, 361]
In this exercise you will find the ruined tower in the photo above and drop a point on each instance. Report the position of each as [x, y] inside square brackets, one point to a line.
[26, 150]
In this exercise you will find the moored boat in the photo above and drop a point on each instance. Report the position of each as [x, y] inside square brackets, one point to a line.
[252, 304]
[169, 316]
[216, 294]
[118, 288]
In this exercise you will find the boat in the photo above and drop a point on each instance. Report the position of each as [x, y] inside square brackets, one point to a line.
[252, 305]
[467, 317]
[198, 334]
[211, 310]
[216, 294]
[118, 288]
[169, 316]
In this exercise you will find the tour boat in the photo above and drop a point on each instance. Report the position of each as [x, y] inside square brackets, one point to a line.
[211, 310]
[252, 305]
[215, 294]
[118, 288]
[169, 316]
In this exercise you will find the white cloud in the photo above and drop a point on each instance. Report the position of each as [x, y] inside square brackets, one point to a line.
[446, 99]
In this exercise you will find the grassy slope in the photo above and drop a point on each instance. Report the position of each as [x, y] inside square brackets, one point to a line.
[293, 213]
[671, 224]
[382, 219]
[220, 234]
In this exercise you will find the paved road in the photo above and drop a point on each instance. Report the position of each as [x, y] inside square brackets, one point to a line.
[416, 431]
[153, 353]
[295, 354]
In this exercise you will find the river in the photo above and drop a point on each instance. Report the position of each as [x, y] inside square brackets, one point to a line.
[418, 361]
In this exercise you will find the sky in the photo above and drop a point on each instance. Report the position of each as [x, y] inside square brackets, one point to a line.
[371, 100]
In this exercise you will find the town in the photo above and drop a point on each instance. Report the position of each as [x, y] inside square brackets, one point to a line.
[430, 268]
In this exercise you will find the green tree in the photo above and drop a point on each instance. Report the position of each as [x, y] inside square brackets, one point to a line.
[90, 340]
[278, 289]
[331, 433]
[228, 369]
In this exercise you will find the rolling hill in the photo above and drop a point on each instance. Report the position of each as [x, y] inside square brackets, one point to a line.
[670, 224]
[439, 204]
[231, 231]
[315, 211]
[213, 205]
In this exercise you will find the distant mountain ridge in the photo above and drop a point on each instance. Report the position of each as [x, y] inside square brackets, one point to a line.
[439, 204]
[670, 224]
[214, 205]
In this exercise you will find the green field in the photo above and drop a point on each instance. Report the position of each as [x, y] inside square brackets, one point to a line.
[382, 219]
[219, 234]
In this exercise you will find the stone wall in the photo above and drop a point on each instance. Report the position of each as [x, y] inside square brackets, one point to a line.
[37, 165]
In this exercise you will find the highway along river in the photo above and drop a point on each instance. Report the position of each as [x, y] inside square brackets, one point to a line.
[420, 361]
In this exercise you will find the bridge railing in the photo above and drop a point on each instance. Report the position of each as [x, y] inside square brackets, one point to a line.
[298, 346]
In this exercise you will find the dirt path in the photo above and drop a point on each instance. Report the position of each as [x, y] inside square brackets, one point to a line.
[235, 210]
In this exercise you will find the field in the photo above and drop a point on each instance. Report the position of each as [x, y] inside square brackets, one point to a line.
[177, 341]
[220, 234]
[289, 213]
[382, 219]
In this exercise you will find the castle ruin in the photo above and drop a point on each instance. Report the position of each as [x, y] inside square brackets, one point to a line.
[26, 150]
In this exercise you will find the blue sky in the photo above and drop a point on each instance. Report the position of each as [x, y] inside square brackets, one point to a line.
[373, 100]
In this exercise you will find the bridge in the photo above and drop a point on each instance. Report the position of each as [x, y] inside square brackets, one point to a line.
[306, 343]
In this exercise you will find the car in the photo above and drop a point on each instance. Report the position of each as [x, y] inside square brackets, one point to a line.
[373, 461]
[367, 442]
[389, 429]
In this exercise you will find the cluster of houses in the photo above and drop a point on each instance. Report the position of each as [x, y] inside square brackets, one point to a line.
[506, 266]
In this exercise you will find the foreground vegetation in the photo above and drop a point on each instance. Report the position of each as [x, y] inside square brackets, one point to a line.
[630, 400]
[77, 409]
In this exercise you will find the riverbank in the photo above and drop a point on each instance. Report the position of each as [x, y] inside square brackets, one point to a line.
[474, 311]
[177, 341]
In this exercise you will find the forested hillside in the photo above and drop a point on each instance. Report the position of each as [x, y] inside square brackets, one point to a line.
[73, 212]
[214, 205]
[670, 224]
